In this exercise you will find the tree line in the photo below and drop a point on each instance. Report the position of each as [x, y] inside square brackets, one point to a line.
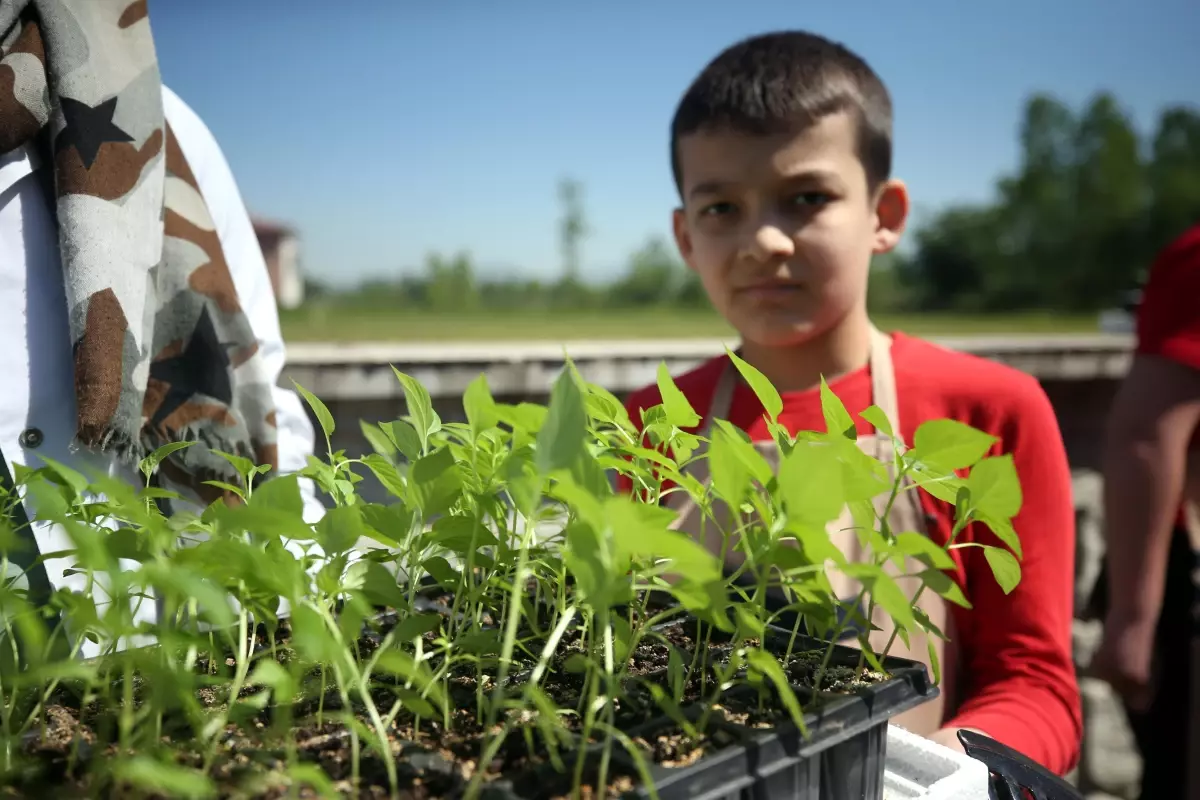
[1072, 229]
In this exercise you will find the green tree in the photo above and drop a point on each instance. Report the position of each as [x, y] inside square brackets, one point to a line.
[451, 283]
[573, 226]
[1174, 176]
[1074, 225]
[888, 291]
[1111, 196]
[1032, 223]
[655, 277]
[955, 253]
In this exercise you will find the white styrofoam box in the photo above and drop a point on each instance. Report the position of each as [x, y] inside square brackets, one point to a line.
[918, 769]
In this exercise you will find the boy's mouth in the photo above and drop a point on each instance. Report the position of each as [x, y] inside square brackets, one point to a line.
[771, 291]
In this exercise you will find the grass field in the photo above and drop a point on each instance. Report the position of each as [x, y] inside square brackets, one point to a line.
[344, 324]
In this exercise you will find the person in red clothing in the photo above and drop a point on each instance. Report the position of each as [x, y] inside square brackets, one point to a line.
[781, 152]
[1152, 519]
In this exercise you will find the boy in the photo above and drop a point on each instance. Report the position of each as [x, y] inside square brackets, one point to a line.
[781, 153]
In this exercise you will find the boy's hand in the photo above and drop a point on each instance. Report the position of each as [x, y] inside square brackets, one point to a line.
[1125, 658]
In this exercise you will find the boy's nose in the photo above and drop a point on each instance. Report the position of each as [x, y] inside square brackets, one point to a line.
[767, 243]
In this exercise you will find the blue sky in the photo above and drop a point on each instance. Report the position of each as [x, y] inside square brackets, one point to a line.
[384, 129]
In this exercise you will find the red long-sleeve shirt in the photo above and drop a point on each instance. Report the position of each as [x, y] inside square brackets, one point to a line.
[1020, 685]
[1168, 323]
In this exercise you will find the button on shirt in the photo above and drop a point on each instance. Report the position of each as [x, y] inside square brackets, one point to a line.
[37, 390]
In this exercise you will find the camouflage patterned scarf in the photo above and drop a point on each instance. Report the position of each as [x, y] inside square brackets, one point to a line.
[162, 349]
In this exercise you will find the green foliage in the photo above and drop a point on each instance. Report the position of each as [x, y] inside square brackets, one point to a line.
[548, 573]
[1074, 228]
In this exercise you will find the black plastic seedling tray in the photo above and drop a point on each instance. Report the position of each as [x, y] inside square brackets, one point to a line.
[842, 758]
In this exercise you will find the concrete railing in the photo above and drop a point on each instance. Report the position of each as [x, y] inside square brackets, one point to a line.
[362, 371]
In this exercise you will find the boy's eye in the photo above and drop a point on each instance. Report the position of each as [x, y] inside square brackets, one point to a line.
[810, 199]
[717, 209]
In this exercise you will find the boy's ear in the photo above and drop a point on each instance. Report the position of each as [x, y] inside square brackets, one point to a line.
[891, 215]
[683, 237]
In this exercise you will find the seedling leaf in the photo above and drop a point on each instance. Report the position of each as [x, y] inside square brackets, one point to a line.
[730, 474]
[811, 482]
[324, 418]
[678, 409]
[405, 437]
[879, 420]
[416, 625]
[158, 777]
[1005, 567]
[945, 586]
[380, 442]
[376, 583]
[920, 546]
[766, 664]
[948, 445]
[561, 439]
[837, 419]
[763, 389]
[479, 406]
[995, 490]
[150, 463]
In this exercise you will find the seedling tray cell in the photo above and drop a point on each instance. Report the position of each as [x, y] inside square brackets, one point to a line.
[841, 759]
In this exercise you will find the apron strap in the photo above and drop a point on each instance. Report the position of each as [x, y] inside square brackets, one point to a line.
[883, 389]
[885, 395]
[722, 399]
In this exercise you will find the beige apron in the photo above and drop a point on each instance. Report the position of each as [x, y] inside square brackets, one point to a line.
[906, 515]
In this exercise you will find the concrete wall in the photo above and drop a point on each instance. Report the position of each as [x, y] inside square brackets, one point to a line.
[1080, 382]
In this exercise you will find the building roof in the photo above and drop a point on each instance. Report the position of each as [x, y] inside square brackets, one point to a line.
[265, 228]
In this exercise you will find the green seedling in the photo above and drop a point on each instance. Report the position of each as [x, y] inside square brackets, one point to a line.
[512, 604]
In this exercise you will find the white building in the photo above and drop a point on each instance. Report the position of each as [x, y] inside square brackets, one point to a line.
[281, 250]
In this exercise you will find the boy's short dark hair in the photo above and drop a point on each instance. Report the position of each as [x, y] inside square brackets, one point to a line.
[773, 82]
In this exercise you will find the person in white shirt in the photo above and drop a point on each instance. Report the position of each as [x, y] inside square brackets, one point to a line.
[135, 304]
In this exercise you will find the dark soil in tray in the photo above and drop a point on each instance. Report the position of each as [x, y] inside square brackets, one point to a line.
[672, 747]
[802, 671]
[551, 785]
[434, 761]
[431, 762]
[745, 710]
[802, 663]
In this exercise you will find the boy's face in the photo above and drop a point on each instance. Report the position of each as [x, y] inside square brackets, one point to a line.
[781, 228]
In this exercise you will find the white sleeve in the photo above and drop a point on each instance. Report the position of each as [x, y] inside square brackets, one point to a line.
[252, 281]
